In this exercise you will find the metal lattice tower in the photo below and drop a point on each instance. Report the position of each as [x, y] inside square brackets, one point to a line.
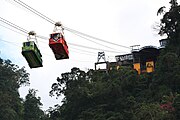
[101, 55]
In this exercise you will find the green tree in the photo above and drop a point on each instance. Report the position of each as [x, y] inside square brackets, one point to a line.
[97, 95]
[11, 78]
[176, 105]
[74, 85]
[168, 71]
[53, 113]
[152, 111]
[170, 26]
[166, 78]
[32, 105]
[167, 74]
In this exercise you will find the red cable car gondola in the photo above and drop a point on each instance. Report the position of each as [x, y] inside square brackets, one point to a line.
[58, 44]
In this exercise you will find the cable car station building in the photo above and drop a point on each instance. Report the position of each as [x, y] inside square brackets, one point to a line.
[143, 59]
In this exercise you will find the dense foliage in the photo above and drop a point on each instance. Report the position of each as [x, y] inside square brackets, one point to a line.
[170, 26]
[11, 78]
[32, 105]
[12, 107]
[120, 95]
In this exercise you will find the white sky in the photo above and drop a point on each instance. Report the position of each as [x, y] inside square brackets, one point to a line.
[125, 22]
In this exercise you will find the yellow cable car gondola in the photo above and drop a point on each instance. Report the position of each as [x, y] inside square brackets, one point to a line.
[31, 52]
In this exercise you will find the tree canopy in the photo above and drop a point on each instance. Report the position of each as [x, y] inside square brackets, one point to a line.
[12, 107]
[32, 105]
[11, 78]
[119, 95]
[170, 26]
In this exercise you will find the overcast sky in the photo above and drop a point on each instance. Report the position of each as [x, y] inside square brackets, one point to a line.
[124, 22]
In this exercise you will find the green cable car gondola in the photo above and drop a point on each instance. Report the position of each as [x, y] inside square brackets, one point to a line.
[32, 54]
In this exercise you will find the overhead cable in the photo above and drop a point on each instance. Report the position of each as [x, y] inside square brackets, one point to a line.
[45, 38]
[92, 48]
[69, 29]
[93, 41]
[34, 11]
[13, 25]
[83, 50]
[83, 53]
[75, 31]
[12, 30]
[15, 44]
